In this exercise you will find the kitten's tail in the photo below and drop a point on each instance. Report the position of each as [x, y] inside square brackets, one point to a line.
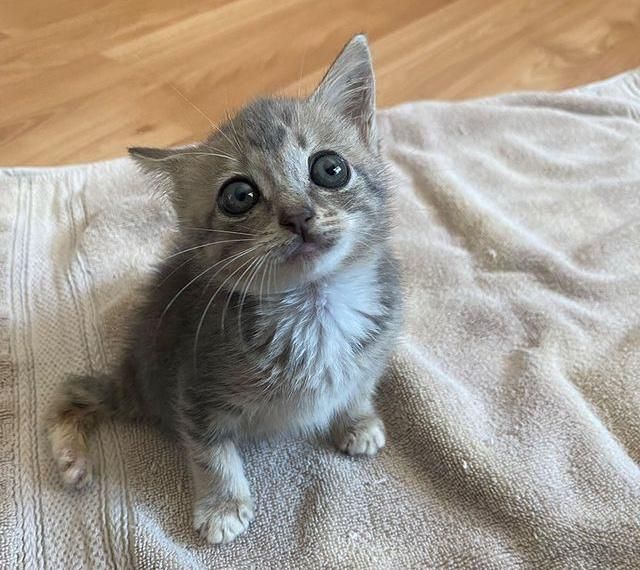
[80, 403]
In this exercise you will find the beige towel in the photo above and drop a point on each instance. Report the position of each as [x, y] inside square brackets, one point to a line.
[512, 404]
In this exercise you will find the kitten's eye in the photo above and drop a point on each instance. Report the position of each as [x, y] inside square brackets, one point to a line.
[238, 197]
[329, 170]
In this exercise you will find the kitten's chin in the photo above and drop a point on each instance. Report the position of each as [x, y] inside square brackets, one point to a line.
[310, 262]
[305, 253]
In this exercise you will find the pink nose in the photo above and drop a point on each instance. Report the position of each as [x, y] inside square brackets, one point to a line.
[297, 222]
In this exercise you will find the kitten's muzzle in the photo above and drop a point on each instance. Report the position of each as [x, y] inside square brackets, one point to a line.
[298, 222]
[308, 246]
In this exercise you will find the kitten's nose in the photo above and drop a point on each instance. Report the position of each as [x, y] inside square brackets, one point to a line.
[297, 222]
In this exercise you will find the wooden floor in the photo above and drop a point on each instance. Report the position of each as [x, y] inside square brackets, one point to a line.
[81, 80]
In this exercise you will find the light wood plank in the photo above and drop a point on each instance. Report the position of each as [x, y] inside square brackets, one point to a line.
[81, 80]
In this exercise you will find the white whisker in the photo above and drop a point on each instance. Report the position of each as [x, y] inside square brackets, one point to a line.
[246, 290]
[211, 123]
[243, 226]
[176, 269]
[269, 282]
[219, 231]
[198, 109]
[235, 132]
[175, 297]
[200, 246]
[178, 154]
[264, 272]
[206, 310]
[230, 294]
[232, 143]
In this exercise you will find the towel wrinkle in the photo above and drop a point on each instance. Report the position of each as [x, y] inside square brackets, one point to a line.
[512, 403]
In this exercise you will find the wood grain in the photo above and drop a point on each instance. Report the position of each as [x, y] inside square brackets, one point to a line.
[81, 80]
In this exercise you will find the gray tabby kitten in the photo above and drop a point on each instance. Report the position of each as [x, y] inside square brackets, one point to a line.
[279, 309]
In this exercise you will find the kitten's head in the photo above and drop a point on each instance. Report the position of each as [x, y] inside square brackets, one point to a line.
[290, 188]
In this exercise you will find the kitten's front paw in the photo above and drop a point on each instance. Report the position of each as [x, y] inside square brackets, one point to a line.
[221, 522]
[365, 437]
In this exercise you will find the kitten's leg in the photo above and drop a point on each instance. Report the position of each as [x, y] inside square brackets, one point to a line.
[223, 506]
[358, 430]
[79, 403]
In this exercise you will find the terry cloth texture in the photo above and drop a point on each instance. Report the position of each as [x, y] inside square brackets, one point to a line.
[512, 403]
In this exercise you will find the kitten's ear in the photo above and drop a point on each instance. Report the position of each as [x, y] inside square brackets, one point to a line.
[162, 162]
[349, 87]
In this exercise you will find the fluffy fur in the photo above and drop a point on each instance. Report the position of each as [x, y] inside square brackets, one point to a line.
[245, 333]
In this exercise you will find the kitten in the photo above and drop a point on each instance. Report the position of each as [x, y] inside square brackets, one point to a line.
[279, 309]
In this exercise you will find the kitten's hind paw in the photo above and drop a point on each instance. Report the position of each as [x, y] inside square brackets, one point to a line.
[71, 456]
[74, 466]
[222, 522]
[365, 437]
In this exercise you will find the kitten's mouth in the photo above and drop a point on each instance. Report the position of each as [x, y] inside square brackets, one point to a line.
[307, 251]
[299, 250]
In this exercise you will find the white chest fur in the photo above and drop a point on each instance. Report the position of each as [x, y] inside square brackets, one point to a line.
[315, 349]
[324, 325]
